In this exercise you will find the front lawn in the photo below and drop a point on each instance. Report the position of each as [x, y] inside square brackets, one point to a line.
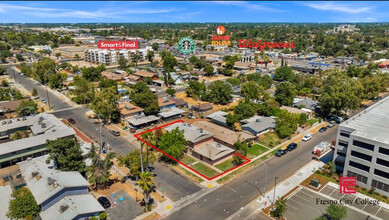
[187, 160]
[270, 139]
[205, 170]
[255, 150]
[312, 121]
[226, 165]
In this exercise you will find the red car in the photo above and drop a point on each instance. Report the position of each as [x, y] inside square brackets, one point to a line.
[71, 121]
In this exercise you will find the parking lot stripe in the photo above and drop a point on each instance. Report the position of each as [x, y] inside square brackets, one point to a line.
[302, 191]
[231, 189]
[318, 211]
[378, 211]
[302, 198]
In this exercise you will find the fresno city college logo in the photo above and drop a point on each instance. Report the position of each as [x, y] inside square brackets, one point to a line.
[345, 183]
[220, 39]
[186, 45]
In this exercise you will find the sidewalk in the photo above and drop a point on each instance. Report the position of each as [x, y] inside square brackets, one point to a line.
[282, 188]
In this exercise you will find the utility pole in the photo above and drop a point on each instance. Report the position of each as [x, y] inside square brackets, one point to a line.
[48, 99]
[275, 185]
[141, 156]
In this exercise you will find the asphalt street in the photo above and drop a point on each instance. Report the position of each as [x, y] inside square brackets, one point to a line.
[176, 186]
[237, 193]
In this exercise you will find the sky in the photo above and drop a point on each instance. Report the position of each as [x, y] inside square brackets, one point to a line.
[192, 11]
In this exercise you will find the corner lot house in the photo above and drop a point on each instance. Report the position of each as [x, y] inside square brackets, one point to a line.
[202, 145]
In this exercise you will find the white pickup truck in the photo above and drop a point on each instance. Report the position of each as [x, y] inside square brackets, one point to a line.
[322, 147]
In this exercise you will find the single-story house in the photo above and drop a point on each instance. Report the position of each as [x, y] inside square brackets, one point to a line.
[171, 113]
[201, 144]
[180, 103]
[9, 106]
[258, 124]
[128, 110]
[142, 74]
[142, 121]
[165, 103]
[224, 135]
[158, 82]
[112, 76]
[180, 78]
[307, 103]
[202, 107]
[297, 111]
[218, 117]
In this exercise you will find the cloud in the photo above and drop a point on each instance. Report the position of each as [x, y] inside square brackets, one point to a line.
[69, 13]
[339, 7]
[249, 6]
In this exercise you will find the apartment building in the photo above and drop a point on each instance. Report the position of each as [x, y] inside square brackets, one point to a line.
[362, 148]
[109, 57]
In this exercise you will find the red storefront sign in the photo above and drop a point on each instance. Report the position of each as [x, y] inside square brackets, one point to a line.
[118, 45]
[262, 45]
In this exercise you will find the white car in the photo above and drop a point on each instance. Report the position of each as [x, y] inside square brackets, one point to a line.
[307, 137]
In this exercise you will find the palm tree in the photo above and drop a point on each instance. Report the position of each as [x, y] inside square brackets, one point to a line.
[98, 173]
[146, 184]
[266, 59]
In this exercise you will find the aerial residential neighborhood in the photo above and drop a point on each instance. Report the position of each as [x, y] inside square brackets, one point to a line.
[194, 110]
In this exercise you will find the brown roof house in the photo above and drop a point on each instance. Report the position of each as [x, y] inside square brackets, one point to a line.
[165, 103]
[224, 135]
[202, 107]
[201, 144]
[142, 74]
[112, 76]
[129, 110]
[9, 106]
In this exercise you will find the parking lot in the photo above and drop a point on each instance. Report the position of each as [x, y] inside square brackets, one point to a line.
[122, 206]
[302, 205]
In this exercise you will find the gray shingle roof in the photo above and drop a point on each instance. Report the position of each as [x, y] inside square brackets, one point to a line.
[191, 133]
[213, 150]
[258, 124]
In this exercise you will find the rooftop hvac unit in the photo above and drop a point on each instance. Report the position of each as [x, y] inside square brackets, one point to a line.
[218, 145]
[127, 107]
[43, 125]
[258, 120]
[201, 130]
[50, 181]
[63, 208]
[35, 173]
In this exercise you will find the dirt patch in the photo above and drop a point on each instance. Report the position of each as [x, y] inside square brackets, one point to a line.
[153, 216]
[307, 182]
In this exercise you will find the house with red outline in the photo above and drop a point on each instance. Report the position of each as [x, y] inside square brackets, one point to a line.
[201, 144]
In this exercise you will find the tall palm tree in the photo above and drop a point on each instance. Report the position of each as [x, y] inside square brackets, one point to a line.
[146, 184]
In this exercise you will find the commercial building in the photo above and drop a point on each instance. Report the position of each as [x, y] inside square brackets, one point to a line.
[362, 147]
[33, 132]
[60, 195]
[109, 57]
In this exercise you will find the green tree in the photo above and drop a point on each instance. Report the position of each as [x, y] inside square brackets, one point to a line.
[195, 89]
[34, 92]
[244, 110]
[98, 173]
[336, 212]
[155, 46]
[234, 81]
[252, 91]
[146, 184]
[23, 205]
[106, 83]
[133, 163]
[279, 208]
[4, 83]
[283, 73]
[286, 123]
[42, 70]
[285, 93]
[56, 80]
[173, 143]
[240, 148]
[122, 63]
[193, 60]
[208, 69]
[106, 103]
[171, 91]
[150, 56]
[66, 153]
[136, 58]
[27, 108]
[143, 97]
[91, 73]
[84, 90]
[3, 70]
[331, 166]
[339, 94]
[231, 119]
[218, 93]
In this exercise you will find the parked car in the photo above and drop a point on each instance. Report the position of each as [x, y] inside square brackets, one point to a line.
[115, 132]
[71, 121]
[323, 129]
[44, 100]
[280, 152]
[104, 202]
[331, 124]
[307, 137]
[338, 119]
[291, 146]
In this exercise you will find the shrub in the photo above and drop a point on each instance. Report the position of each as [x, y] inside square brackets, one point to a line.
[103, 216]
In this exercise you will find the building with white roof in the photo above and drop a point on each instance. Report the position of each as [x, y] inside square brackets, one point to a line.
[39, 129]
[109, 57]
[362, 147]
[6, 196]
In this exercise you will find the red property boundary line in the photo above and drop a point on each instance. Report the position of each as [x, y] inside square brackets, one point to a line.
[139, 134]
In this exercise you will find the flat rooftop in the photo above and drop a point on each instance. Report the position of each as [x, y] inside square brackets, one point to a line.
[371, 123]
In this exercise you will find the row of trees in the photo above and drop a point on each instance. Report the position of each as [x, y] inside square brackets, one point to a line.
[218, 92]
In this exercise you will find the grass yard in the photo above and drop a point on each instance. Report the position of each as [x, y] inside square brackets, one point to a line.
[256, 150]
[312, 121]
[206, 171]
[270, 140]
[187, 160]
[226, 165]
